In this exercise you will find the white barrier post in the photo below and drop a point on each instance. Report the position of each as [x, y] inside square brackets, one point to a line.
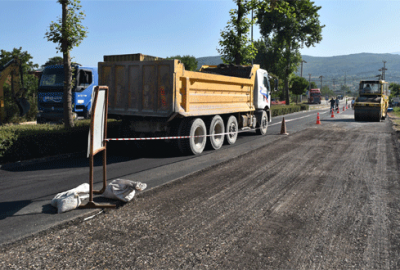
[97, 142]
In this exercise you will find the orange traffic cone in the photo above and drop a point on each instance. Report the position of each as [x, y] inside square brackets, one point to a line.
[338, 111]
[332, 115]
[283, 127]
[318, 120]
[343, 108]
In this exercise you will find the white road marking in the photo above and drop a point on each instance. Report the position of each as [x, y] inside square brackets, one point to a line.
[296, 118]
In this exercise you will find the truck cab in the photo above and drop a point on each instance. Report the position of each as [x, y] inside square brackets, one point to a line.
[51, 87]
[314, 96]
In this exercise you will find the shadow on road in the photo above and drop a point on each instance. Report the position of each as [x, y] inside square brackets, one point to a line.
[338, 120]
[116, 152]
[8, 209]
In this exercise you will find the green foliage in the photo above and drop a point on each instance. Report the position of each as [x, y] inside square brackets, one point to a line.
[68, 32]
[30, 84]
[314, 85]
[56, 60]
[289, 25]
[299, 85]
[73, 32]
[24, 56]
[295, 23]
[189, 61]
[277, 110]
[21, 142]
[235, 46]
[395, 89]
[325, 91]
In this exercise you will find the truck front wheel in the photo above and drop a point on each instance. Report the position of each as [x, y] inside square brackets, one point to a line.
[262, 123]
[193, 128]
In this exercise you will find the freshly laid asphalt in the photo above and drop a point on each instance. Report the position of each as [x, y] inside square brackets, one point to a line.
[27, 188]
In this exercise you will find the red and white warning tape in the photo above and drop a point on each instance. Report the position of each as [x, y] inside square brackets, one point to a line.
[173, 137]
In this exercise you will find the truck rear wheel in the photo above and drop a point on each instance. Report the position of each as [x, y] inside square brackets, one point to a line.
[262, 123]
[193, 145]
[231, 129]
[215, 128]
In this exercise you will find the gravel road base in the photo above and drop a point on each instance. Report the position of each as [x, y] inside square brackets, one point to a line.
[324, 198]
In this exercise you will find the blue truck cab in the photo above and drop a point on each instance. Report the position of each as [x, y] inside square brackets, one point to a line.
[51, 87]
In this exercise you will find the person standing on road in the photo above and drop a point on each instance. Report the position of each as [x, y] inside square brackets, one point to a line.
[337, 103]
[332, 101]
[352, 103]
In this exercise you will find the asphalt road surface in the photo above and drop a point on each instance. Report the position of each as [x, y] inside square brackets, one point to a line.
[326, 196]
[26, 191]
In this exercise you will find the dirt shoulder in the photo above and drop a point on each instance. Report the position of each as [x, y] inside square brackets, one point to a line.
[327, 197]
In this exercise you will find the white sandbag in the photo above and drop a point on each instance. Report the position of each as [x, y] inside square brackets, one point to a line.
[71, 199]
[124, 190]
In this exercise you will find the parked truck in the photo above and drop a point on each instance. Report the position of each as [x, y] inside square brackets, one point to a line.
[161, 98]
[373, 101]
[314, 96]
[50, 92]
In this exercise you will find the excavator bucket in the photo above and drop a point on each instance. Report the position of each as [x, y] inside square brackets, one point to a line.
[23, 106]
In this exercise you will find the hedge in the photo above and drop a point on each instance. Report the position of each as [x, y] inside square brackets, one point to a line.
[22, 142]
[277, 110]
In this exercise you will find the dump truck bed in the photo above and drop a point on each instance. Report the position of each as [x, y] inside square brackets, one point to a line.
[164, 88]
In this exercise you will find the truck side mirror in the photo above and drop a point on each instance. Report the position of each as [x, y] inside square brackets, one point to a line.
[276, 85]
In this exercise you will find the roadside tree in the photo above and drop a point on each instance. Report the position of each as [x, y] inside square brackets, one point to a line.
[292, 25]
[235, 46]
[30, 84]
[298, 86]
[325, 91]
[68, 32]
[395, 89]
[56, 60]
[189, 61]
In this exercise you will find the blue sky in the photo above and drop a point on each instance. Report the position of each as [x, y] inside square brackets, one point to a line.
[190, 27]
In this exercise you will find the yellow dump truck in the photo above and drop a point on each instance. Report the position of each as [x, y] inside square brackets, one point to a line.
[373, 101]
[161, 98]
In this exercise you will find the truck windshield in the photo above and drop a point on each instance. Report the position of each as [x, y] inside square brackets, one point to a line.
[370, 88]
[53, 77]
[315, 94]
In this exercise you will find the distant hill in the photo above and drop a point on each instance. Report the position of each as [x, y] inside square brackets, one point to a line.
[345, 68]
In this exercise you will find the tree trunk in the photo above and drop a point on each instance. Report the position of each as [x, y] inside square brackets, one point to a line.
[287, 74]
[240, 14]
[67, 95]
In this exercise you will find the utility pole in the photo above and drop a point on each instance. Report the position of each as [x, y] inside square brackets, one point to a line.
[383, 70]
[301, 75]
[334, 87]
[321, 80]
[301, 72]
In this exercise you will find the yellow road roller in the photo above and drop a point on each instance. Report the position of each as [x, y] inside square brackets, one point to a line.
[373, 101]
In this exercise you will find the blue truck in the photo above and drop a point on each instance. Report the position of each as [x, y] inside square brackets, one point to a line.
[50, 92]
